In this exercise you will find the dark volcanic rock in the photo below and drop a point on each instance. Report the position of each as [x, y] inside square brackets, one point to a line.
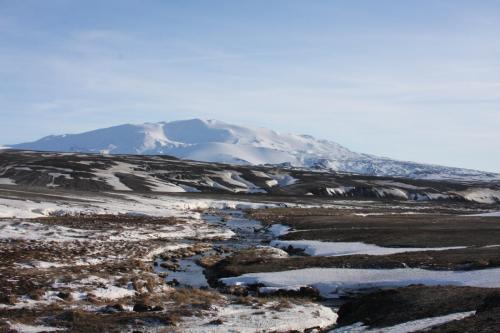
[142, 307]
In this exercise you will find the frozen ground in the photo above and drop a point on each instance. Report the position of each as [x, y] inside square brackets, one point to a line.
[125, 258]
[89, 255]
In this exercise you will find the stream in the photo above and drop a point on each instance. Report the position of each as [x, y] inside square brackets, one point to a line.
[248, 233]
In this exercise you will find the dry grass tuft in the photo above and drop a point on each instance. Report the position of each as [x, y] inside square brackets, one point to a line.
[196, 298]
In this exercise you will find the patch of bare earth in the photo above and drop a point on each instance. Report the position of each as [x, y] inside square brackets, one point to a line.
[390, 307]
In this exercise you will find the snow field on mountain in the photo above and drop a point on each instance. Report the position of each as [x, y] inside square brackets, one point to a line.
[216, 141]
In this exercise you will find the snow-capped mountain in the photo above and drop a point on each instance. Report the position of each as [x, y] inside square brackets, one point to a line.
[216, 141]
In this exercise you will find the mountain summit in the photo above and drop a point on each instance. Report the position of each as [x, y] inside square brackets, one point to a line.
[216, 141]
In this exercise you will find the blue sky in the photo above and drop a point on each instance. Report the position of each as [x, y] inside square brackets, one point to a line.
[414, 80]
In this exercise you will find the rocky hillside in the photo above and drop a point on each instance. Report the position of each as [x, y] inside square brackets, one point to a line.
[139, 173]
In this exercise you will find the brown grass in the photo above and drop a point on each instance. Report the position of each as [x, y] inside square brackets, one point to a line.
[196, 298]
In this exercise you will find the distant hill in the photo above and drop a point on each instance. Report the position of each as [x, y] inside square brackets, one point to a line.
[216, 141]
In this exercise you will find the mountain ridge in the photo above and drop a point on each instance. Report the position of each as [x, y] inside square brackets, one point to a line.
[216, 141]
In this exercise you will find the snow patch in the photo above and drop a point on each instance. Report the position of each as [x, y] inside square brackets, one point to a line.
[112, 292]
[279, 230]
[7, 181]
[408, 327]
[481, 195]
[491, 214]
[246, 319]
[241, 185]
[332, 249]
[335, 282]
[340, 190]
[24, 328]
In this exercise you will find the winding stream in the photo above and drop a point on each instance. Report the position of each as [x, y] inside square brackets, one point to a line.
[248, 233]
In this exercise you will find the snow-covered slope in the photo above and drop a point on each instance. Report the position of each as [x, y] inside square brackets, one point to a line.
[147, 173]
[215, 141]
